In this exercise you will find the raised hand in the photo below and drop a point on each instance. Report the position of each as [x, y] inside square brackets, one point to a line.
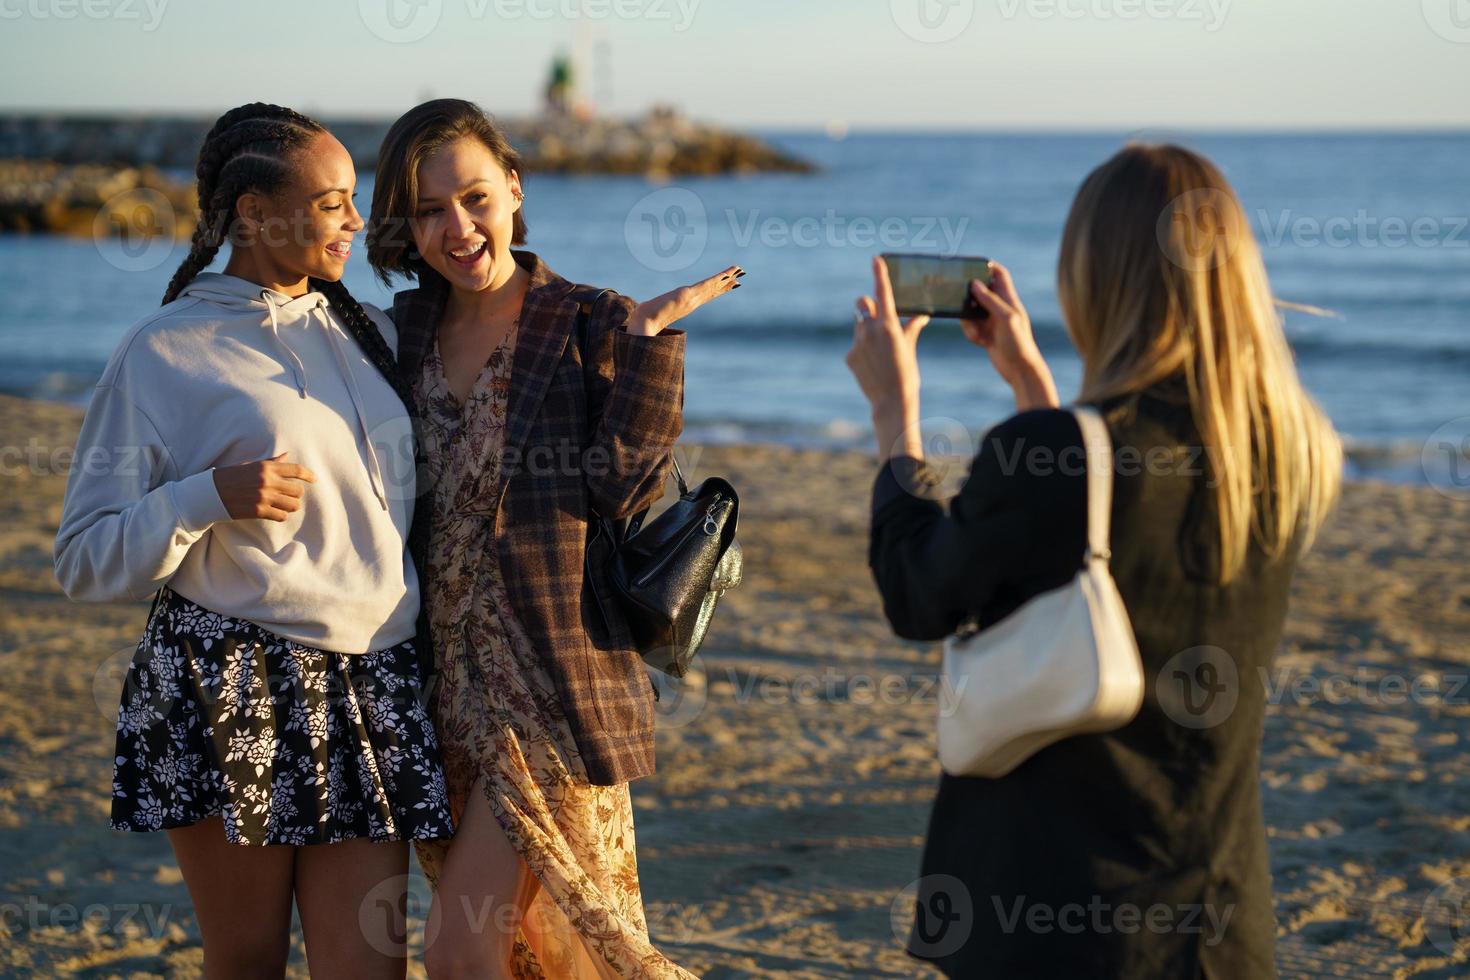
[885, 362]
[655, 315]
[267, 489]
[883, 357]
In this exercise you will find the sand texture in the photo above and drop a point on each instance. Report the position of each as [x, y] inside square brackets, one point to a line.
[797, 766]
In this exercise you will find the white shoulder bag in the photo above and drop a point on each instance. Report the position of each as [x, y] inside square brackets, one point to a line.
[1065, 663]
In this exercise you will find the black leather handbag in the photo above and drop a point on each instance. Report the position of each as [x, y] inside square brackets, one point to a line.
[668, 576]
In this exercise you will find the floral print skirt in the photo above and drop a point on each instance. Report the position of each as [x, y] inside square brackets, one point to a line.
[289, 744]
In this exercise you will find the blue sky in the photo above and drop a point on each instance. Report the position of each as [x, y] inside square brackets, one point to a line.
[923, 64]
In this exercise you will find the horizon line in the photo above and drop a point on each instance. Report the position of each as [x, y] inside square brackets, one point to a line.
[878, 129]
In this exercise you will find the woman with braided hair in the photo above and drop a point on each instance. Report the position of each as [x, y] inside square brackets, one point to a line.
[248, 455]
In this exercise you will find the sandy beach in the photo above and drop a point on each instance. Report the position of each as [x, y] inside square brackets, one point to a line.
[797, 766]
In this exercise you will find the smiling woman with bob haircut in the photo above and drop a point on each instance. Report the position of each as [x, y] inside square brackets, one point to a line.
[543, 704]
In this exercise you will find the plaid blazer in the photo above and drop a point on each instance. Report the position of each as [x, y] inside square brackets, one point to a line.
[598, 433]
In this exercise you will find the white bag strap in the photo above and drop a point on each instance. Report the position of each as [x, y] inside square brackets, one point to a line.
[1098, 448]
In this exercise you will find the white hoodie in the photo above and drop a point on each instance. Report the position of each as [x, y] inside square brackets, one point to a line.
[232, 372]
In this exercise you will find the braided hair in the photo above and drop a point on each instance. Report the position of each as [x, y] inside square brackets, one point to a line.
[253, 148]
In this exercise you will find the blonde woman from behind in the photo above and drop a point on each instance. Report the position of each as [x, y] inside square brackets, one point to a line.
[1141, 851]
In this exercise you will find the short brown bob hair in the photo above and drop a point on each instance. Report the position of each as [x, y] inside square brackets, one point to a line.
[419, 133]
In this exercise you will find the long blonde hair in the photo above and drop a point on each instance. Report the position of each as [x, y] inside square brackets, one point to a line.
[1160, 277]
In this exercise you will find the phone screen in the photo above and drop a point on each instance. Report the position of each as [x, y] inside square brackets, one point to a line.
[937, 285]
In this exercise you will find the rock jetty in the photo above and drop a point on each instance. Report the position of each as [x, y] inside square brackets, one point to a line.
[92, 175]
[660, 143]
[94, 200]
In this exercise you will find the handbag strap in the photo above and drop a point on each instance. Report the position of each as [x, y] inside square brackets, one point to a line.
[1098, 450]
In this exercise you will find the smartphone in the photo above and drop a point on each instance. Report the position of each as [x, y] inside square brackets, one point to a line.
[937, 285]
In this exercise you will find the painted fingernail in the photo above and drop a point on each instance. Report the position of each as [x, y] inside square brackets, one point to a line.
[740, 274]
[736, 286]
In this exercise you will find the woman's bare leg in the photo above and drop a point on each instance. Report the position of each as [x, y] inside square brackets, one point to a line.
[242, 900]
[352, 897]
[484, 891]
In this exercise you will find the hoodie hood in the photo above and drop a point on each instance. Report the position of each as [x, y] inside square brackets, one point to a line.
[241, 296]
[308, 311]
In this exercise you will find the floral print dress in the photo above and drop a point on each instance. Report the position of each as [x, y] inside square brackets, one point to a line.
[499, 718]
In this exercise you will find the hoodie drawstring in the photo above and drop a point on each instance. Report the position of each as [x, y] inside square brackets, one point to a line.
[298, 370]
[375, 469]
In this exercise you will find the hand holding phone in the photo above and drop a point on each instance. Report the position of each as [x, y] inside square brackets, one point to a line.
[937, 285]
[1006, 336]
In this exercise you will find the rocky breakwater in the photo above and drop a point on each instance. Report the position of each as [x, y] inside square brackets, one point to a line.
[97, 200]
[662, 144]
[131, 175]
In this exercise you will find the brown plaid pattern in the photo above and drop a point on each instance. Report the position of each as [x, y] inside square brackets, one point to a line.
[602, 436]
